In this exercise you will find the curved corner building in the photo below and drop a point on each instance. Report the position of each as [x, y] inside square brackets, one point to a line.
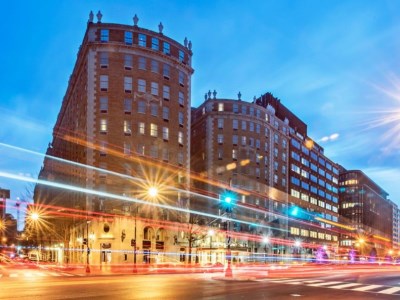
[126, 111]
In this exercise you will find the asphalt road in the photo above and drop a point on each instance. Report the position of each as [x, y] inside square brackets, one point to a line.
[317, 284]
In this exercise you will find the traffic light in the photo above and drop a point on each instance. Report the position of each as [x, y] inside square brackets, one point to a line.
[227, 201]
[85, 241]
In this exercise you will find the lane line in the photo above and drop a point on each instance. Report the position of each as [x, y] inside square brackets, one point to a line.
[325, 283]
[312, 281]
[390, 290]
[367, 288]
[346, 285]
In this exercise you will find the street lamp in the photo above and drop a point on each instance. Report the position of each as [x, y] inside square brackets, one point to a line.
[211, 232]
[133, 243]
[87, 247]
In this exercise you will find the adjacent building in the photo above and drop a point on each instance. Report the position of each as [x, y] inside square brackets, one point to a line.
[364, 205]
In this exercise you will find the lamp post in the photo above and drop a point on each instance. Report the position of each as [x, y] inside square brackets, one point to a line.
[87, 247]
[134, 242]
[211, 233]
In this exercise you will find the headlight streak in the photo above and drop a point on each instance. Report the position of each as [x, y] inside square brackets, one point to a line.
[124, 198]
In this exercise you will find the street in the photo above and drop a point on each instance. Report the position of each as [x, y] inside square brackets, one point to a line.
[337, 282]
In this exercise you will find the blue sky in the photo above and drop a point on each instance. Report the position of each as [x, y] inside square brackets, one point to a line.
[333, 63]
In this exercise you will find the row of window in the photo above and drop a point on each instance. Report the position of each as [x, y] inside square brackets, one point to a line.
[142, 65]
[313, 234]
[142, 108]
[154, 42]
[251, 112]
[313, 167]
[296, 144]
[312, 200]
[141, 130]
[141, 86]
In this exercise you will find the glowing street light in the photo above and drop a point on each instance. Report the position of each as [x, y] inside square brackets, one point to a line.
[153, 191]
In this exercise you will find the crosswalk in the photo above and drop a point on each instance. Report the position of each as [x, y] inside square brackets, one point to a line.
[353, 286]
[36, 274]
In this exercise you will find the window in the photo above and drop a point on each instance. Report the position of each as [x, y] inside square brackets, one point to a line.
[294, 231]
[141, 128]
[266, 147]
[154, 66]
[305, 185]
[220, 139]
[180, 158]
[104, 35]
[244, 125]
[165, 113]
[153, 130]
[180, 118]
[128, 37]
[313, 189]
[180, 137]
[251, 126]
[220, 154]
[295, 180]
[165, 133]
[295, 144]
[104, 83]
[103, 60]
[128, 62]
[142, 85]
[127, 127]
[166, 48]
[154, 151]
[142, 40]
[295, 156]
[283, 169]
[243, 141]
[181, 78]
[305, 174]
[181, 99]
[234, 154]
[127, 148]
[266, 132]
[103, 125]
[258, 144]
[181, 56]
[276, 138]
[235, 108]
[321, 161]
[166, 92]
[154, 88]
[304, 197]
[142, 63]
[276, 152]
[304, 232]
[251, 111]
[220, 123]
[305, 150]
[305, 162]
[166, 71]
[220, 107]
[103, 104]
[165, 155]
[141, 107]
[140, 149]
[276, 166]
[314, 155]
[128, 106]
[235, 124]
[257, 128]
[154, 109]
[235, 139]
[154, 43]
[313, 201]
[128, 84]
[295, 169]
[314, 167]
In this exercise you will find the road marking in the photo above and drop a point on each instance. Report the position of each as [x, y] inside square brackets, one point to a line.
[27, 275]
[66, 274]
[54, 274]
[287, 280]
[13, 275]
[367, 288]
[325, 283]
[346, 285]
[390, 290]
[312, 281]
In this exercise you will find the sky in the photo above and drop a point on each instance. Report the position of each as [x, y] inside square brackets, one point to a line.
[335, 64]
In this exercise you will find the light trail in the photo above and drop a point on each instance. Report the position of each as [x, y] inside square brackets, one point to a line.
[125, 198]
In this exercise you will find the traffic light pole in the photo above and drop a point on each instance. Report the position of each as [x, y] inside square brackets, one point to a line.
[228, 271]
